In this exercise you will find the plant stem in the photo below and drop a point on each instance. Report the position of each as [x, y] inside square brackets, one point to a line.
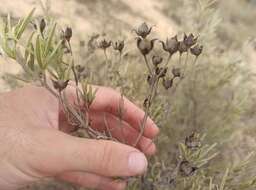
[146, 61]
[185, 66]
[76, 79]
[121, 110]
[143, 124]
[45, 84]
[106, 62]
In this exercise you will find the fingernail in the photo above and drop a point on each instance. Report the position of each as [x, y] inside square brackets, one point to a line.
[137, 163]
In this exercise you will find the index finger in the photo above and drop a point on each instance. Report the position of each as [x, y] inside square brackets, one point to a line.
[108, 100]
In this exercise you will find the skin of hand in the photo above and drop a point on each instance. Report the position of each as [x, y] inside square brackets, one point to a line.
[35, 143]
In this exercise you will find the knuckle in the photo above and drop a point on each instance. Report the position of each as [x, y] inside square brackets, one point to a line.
[106, 156]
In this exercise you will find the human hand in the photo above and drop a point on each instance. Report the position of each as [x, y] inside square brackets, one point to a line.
[33, 147]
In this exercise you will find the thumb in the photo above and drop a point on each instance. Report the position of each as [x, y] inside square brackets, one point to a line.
[61, 152]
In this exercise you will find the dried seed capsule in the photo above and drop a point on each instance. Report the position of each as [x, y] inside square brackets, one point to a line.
[156, 60]
[167, 83]
[190, 40]
[42, 25]
[150, 80]
[146, 103]
[68, 34]
[182, 47]
[145, 46]
[186, 168]
[104, 44]
[60, 84]
[118, 46]
[197, 50]
[171, 45]
[193, 141]
[176, 72]
[161, 72]
[143, 30]
[79, 68]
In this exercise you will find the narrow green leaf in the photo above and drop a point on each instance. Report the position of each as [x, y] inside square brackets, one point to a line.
[50, 38]
[224, 179]
[183, 149]
[2, 27]
[9, 24]
[28, 47]
[204, 153]
[17, 27]
[52, 73]
[38, 52]
[24, 24]
[53, 54]
[31, 61]
[6, 48]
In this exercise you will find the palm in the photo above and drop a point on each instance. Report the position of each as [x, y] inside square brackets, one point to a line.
[104, 115]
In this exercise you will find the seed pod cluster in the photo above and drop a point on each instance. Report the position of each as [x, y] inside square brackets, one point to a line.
[187, 169]
[193, 141]
[173, 45]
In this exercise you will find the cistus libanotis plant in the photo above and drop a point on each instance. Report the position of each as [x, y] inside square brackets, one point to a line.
[46, 56]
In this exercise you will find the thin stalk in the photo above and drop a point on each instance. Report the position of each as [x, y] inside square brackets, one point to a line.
[120, 57]
[146, 61]
[84, 124]
[106, 62]
[76, 79]
[106, 124]
[180, 58]
[175, 87]
[126, 67]
[121, 110]
[185, 66]
[45, 84]
[70, 109]
[168, 59]
[143, 124]
[167, 62]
